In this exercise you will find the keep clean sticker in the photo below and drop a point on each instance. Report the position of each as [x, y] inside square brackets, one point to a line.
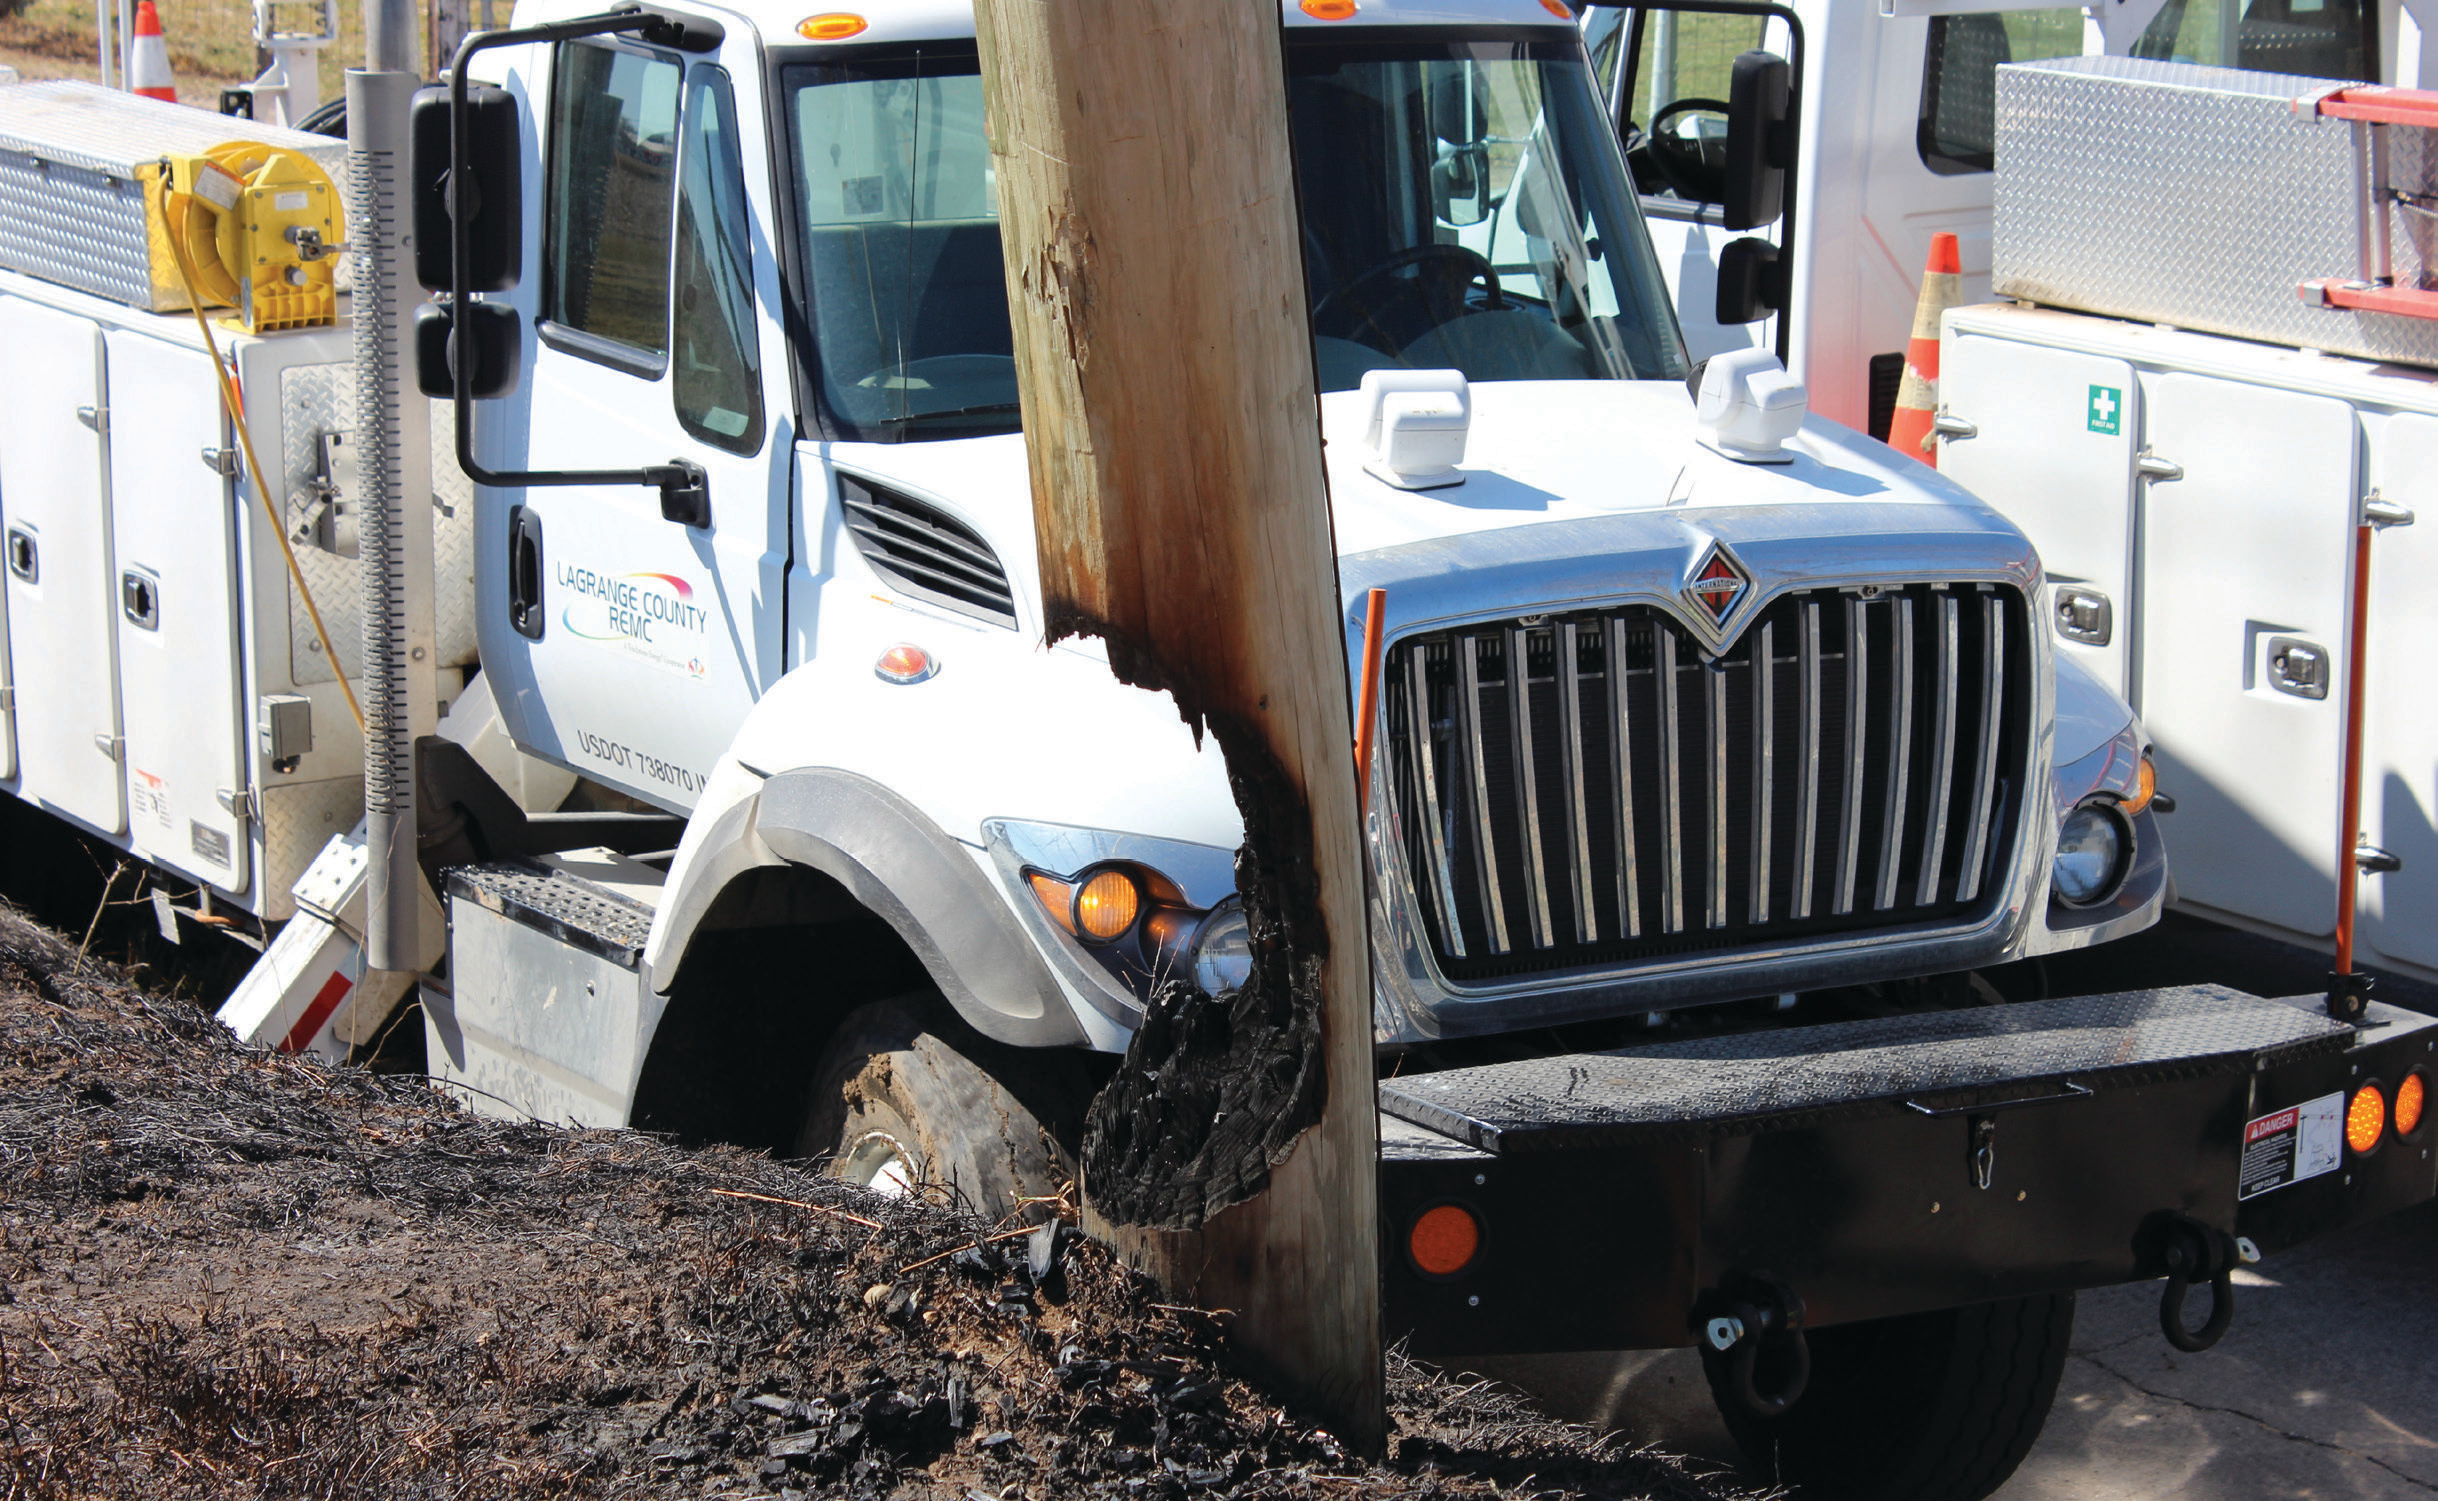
[2107, 410]
[2302, 1141]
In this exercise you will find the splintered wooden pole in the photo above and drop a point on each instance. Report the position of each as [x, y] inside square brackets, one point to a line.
[1163, 353]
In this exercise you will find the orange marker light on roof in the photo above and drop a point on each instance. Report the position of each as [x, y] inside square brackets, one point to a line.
[837, 26]
[1558, 9]
[1444, 1240]
[1329, 10]
[2365, 1118]
[2409, 1100]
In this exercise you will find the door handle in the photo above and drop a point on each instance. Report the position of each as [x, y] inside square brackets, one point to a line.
[525, 573]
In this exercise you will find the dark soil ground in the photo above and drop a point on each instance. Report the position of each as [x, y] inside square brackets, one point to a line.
[225, 1272]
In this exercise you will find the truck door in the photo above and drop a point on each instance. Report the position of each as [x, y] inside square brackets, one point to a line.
[2053, 452]
[2239, 675]
[55, 511]
[174, 545]
[630, 645]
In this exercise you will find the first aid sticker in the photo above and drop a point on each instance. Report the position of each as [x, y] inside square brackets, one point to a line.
[2301, 1141]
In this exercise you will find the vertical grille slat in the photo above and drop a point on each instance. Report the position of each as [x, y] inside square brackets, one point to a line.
[1807, 736]
[1621, 782]
[1671, 788]
[1527, 784]
[1900, 751]
[1764, 762]
[1477, 773]
[1857, 700]
[1437, 873]
[1578, 805]
[1977, 829]
[1945, 649]
[1851, 759]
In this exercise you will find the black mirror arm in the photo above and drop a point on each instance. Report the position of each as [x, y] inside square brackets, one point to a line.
[682, 484]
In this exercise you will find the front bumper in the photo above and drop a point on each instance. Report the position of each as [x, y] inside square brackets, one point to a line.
[1617, 1191]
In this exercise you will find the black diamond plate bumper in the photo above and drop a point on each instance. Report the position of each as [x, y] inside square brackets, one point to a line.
[1846, 1161]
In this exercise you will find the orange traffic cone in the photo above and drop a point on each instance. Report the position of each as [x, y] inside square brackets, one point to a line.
[1917, 399]
[148, 56]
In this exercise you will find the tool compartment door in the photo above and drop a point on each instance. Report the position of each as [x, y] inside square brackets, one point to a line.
[2054, 453]
[175, 589]
[2400, 769]
[2246, 559]
[58, 574]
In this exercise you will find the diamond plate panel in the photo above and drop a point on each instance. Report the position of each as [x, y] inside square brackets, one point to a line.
[318, 399]
[74, 162]
[2194, 196]
[298, 819]
[1757, 1080]
[568, 907]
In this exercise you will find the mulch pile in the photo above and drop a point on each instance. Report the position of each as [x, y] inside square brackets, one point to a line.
[224, 1272]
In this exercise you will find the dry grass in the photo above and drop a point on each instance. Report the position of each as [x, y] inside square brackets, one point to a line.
[211, 42]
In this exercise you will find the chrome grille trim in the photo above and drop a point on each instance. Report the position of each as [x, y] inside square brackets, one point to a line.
[1838, 720]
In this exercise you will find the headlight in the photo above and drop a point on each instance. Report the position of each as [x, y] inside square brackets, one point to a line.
[2091, 846]
[1223, 949]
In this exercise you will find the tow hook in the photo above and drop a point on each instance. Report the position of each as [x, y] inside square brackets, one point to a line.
[1754, 1315]
[2197, 1253]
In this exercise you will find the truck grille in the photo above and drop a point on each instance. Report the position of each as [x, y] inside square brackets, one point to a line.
[1849, 763]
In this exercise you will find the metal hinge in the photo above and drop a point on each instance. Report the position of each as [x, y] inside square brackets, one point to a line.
[220, 461]
[237, 804]
[113, 746]
[2385, 513]
[1948, 425]
[2151, 466]
[8, 700]
[2374, 861]
[96, 418]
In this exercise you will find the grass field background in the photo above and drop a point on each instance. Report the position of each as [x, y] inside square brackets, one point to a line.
[211, 42]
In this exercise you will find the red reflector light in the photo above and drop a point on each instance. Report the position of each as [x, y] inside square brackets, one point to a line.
[2365, 1118]
[1444, 1240]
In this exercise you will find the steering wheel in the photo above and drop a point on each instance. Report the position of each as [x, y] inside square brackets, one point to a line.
[1475, 266]
[1680, 162]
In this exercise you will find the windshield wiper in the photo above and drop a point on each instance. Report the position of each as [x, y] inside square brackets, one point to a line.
[986, 409]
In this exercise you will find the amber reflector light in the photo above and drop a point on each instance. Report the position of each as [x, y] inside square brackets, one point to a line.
[1329, 10]
[905, 664]
[837, 26]
[1107, 905]
[2145, 787]
[1444, 1240]
[2365, 1118]
[2408, 1104]
[1055, 896]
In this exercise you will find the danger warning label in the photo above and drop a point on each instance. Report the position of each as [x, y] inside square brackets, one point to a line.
[2302, 1141]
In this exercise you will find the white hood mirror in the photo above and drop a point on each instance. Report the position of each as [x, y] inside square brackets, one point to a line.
[1415, 426]
[1747, 406]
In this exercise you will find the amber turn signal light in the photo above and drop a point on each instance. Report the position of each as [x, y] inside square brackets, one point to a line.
[1107, 905]
[2409, 1100]
[1444, 1240]
[2145, 787]
[2365, 1118]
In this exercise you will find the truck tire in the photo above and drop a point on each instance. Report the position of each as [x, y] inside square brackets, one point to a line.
[910, 1100]
[1927, 1407]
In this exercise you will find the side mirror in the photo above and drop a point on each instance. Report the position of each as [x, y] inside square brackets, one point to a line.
[1751, 281]
[1460, 185]
[496, 335]
[1759, 137]
[491, 206]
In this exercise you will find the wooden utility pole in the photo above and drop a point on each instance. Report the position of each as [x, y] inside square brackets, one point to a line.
[1164, 354]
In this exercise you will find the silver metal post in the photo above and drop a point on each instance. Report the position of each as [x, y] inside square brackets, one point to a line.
[394, 445]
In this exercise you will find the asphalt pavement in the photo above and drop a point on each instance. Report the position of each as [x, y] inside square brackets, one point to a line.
[2325, 1387]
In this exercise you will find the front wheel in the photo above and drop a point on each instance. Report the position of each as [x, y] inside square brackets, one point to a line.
[908, 1099]
[1935, 1406]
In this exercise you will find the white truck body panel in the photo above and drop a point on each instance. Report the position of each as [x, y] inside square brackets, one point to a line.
[2253, 543]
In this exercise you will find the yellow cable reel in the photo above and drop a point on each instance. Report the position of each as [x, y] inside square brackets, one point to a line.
[261, 227]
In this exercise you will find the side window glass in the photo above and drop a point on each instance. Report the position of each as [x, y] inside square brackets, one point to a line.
[1675, 99]
[2314, 38]
[1959, 121]
[717, 360]
[612, 176]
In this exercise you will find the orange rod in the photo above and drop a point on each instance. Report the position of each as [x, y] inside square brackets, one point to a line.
[1375, 614]
[2348, 873]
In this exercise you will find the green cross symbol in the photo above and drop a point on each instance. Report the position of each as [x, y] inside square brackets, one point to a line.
[2107, 409]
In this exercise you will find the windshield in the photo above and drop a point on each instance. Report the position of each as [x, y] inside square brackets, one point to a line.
[1463, 208]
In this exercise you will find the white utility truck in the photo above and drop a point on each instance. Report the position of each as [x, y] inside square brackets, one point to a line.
[1896, 140]
[1725, 761]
